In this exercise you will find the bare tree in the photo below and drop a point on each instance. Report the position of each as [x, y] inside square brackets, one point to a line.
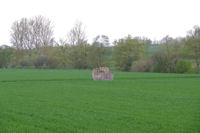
[77, 41]
[32, 33]
[19, 33]
[19, 38]
[42, 31]
[77, 35]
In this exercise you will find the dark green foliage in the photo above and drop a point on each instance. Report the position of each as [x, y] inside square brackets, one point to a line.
[142, 66]
[41, 62]
[25, 64]
[77, 56]
[160, 62]
[99, 52]
[193, 43]
[126, 51]
[59, 101]
[44, 62]
[165, 59]
[92, 58]
[5, 56]
[183, 66]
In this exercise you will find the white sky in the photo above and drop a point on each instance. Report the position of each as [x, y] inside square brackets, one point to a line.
[115, 18]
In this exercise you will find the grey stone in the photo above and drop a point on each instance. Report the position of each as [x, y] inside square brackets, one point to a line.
[102, 73]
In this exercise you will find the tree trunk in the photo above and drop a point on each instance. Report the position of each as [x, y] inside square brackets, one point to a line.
[197, 67]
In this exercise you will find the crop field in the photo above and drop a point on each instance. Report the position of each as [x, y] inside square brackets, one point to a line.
[69, 101]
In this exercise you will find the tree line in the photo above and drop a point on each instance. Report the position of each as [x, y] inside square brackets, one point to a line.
[34, 46]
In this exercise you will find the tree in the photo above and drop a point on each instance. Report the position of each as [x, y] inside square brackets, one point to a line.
[62, 49]
[77, 35]
[97, 52]
[5, 56]
[77, 56]
[193, 43]
[42, 33]
[19, 38]
[78, 46]
[126, 51]
[170, 51]
[19, 33]
[32, 33]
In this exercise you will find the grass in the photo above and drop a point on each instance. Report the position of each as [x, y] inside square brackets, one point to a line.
[69, 101]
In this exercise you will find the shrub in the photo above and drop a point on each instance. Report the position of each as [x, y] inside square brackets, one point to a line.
[5, 56]
[142, 66]
[160, 62]
[44, 62]
[183, 66]
[41, 62]
[25, 63]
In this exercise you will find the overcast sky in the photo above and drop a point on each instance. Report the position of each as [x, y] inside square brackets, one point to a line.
[115, 18]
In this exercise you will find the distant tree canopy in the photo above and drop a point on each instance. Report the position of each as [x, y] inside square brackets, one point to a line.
[97, 51]
[126, 51]
[166, 58]
[34, 46]
[193, 43]
[32, 33]
[77, 35]
[77, 41]
[6, 54]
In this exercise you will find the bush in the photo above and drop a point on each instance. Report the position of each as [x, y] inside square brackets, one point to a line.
[142, 66]
[5, 56]
[158, 68]
[183, 66]
[25, 63]
[43, 62]
[160, 62]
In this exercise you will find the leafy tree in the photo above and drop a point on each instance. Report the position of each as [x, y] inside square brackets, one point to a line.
[193, 43]
[78, 46]
[5, 56]
[126, 51]
[61, 53]
[77, 56]
[172, 50]
[97, 52]
[183, 66]
[166, 57]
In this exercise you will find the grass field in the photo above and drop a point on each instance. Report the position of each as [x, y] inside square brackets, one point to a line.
[69, 101]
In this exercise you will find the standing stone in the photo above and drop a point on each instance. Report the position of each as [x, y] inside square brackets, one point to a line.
[102, 73]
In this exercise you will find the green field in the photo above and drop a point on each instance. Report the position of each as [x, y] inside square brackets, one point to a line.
[69, 101]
